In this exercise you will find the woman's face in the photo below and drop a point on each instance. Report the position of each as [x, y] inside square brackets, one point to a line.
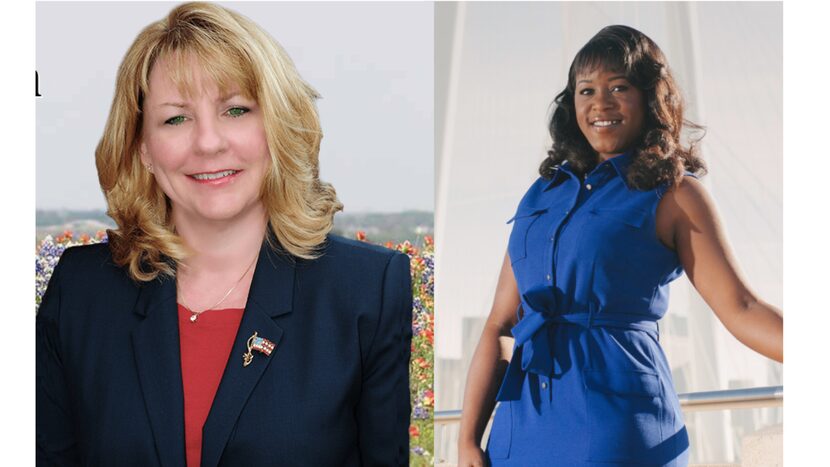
[208, 151]
[609, 111]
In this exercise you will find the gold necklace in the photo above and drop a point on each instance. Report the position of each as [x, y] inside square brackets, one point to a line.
[195, 314]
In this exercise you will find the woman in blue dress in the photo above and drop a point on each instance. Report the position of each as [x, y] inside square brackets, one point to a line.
[617, 214]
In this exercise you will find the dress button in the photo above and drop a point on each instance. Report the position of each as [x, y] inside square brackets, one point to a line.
[588, 186]
[547, 277]
[544, 385]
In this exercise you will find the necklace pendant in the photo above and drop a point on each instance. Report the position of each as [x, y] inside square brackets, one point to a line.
[193, 317]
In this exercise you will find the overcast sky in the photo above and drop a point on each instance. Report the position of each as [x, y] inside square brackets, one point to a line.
[372, 63]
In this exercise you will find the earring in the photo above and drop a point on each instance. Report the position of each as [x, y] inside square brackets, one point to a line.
[149, 167]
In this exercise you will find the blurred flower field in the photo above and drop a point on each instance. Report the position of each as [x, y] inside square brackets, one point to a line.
[423, 331]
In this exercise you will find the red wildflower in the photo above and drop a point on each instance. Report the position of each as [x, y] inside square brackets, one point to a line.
[429, 398]
[421, 362]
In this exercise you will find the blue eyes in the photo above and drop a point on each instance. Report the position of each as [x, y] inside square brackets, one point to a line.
[233, 112]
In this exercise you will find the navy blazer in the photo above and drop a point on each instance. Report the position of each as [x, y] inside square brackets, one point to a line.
[334, 392]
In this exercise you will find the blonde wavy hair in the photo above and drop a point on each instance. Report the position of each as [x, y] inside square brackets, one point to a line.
[233, 51]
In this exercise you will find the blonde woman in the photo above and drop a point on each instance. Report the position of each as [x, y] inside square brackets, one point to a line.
[222, 324]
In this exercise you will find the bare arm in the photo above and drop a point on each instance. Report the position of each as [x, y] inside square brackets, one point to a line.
[487, 367]
[691, 224]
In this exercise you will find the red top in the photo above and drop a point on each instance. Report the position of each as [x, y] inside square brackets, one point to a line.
[205, 347]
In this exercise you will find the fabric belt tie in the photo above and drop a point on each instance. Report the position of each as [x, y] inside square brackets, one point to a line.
[532, 351]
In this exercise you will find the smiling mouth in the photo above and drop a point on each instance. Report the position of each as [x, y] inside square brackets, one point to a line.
[605, 123]
[214, 175]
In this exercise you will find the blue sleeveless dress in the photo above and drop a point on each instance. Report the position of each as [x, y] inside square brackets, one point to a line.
[588, 383]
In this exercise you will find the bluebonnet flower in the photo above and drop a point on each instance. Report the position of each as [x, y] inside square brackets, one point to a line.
[416, 327]
[420, 413]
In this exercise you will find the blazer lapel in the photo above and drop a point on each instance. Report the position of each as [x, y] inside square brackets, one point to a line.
[271, 295]
[156, 346]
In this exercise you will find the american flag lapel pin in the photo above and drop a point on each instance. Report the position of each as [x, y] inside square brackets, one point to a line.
[260, 344]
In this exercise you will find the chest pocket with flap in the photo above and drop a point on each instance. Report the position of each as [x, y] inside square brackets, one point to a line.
[523, 221]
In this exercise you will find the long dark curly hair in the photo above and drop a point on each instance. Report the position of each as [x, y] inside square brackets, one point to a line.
[659, 156]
